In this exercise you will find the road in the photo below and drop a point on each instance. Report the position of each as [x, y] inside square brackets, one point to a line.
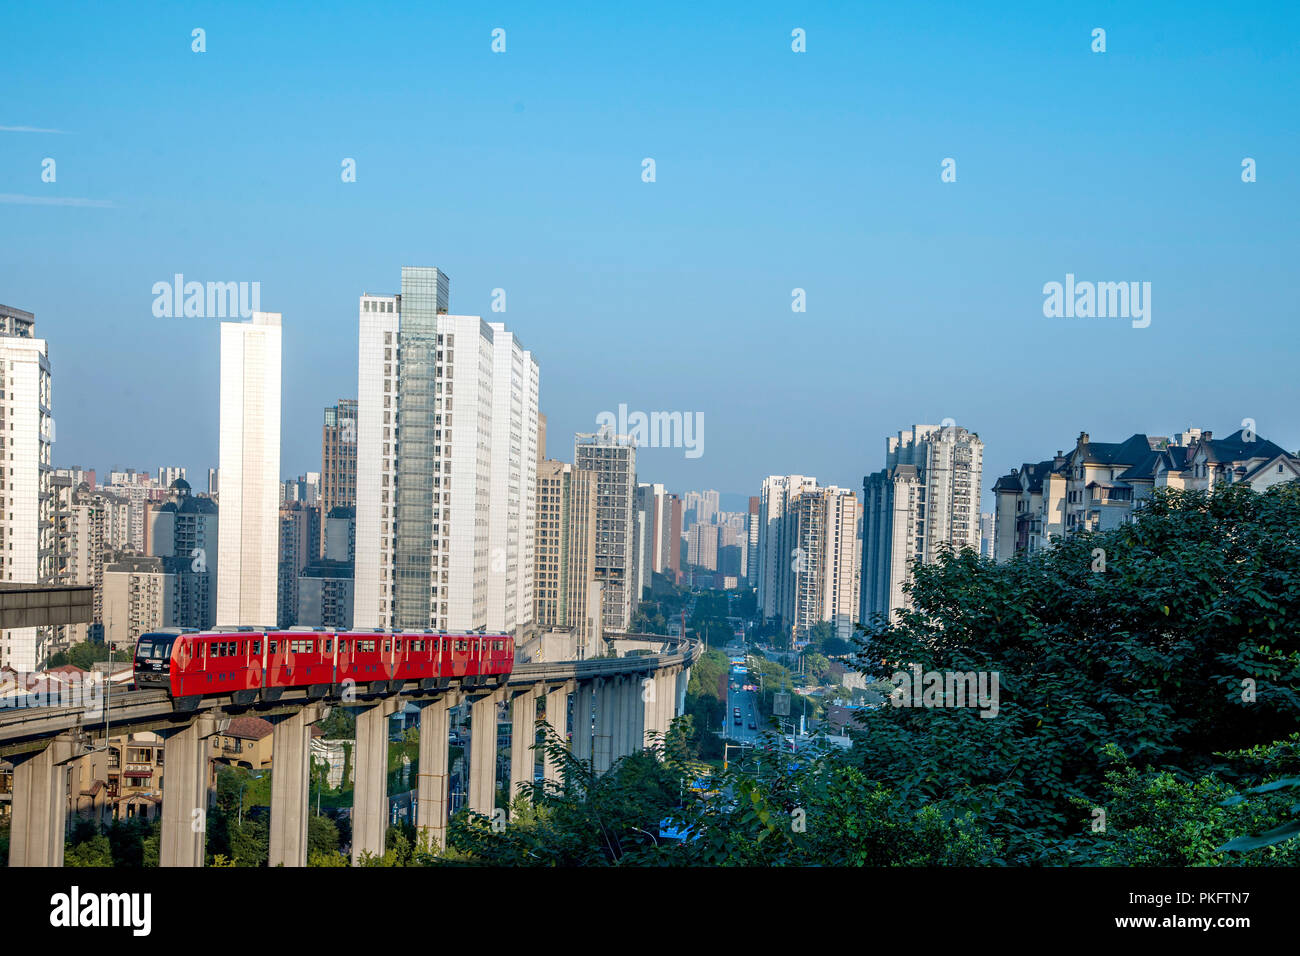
[746, 701]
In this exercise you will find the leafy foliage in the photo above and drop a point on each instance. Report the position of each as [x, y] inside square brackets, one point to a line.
[1154, 655]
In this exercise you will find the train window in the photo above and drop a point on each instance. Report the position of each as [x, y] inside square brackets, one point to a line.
[397, 646]
[329, 646]
[365, 647]
[462, 645]
[243, 648]
[302, 647]
[145, 649]
[273, 643]
[388, 646]
[257, 647]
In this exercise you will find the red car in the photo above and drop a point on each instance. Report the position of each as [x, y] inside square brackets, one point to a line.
[250, 665]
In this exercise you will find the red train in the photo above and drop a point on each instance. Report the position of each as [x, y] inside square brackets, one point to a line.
[251, 665]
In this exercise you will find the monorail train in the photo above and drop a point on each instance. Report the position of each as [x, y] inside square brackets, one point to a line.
[250, 665]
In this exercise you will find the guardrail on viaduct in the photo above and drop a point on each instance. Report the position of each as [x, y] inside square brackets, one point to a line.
[618, 704]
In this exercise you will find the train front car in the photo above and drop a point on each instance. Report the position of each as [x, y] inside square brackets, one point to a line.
[154, 654]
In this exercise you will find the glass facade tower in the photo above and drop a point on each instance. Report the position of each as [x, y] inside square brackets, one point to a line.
[424, 297]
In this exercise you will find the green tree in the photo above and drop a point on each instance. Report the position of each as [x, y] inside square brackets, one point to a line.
[1179, 650]
[322, 835]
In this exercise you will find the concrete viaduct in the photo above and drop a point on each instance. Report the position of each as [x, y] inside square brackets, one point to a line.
[618, 704]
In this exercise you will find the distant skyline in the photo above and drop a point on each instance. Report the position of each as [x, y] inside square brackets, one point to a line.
[774, 171]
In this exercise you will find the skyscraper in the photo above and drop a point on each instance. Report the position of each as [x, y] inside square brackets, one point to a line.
[672, 539]
[338, 459]
[248, 536]
[567, 594]
[777, 541]
[26, 525]
[826, 576]
[512, 505]
[613, 459]
[924, 500]
[436, 482]
[300, 537]
[751, 554]
[702, 546]
[651, 515]
[185, 528]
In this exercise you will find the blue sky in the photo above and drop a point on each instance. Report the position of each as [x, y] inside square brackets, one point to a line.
[775, 170]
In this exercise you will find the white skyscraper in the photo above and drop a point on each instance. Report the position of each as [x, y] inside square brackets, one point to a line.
[512, 507]
[249, 463]
[777, 541]
[26, 529]
[925, 499]
[446, 465]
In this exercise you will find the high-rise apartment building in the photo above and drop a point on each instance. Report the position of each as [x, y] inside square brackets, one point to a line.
[512, 505]
[672, 539]
[26, 519]
[613, 458]
[651, 518]
[925, 499]
[702, 546]
[185, 528]
[826, 572]
[427, 457]
[73, 561]
[139, 594]
[701, 506]
[751, 551]
[338, 457]
[326, 586]
[248, 536]
[300, 536]
[567, 594]
[777, 542]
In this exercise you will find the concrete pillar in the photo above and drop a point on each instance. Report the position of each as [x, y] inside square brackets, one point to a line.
[641, 711]
[557, 715]
[523, 735]
[291, 784]
[39, 819]
[683, 682]
[370, 793]
[618, 719]
[667, 698]
[652, 687]
[185, 796]
[483, 753]
[431, 784]
[620, 735]
[583, 703]
[602, 744]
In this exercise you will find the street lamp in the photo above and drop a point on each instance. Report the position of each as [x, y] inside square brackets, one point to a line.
[242, 785]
